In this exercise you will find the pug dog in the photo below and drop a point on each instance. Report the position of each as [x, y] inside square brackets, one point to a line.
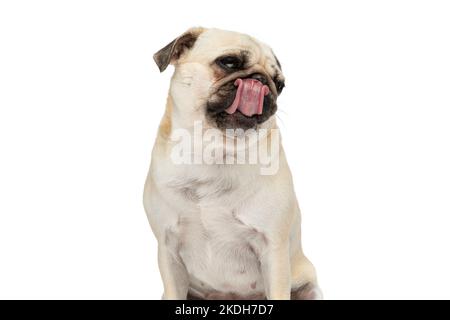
[225, 230]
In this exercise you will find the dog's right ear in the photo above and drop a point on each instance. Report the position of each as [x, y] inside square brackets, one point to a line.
[174, 50]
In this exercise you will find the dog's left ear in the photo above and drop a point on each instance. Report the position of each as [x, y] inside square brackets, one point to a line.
[174, 50]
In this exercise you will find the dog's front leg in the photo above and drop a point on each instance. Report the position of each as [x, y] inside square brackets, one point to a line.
[276, 271]
[173, 273]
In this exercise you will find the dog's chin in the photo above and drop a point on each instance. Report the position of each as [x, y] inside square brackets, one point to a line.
[223, 98]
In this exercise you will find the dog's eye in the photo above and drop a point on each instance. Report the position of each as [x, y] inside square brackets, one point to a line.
[229, 63]
[280, 85]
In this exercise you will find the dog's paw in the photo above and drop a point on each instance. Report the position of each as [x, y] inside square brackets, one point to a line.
[307, 291]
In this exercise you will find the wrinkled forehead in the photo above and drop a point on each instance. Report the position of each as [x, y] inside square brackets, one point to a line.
[214, 43]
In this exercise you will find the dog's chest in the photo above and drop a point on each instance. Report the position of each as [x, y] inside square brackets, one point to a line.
[216, 235]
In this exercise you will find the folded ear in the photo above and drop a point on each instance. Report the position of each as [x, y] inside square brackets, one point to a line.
[173, 51]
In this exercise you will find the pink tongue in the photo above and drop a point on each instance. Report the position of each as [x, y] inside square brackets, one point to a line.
[249, 97]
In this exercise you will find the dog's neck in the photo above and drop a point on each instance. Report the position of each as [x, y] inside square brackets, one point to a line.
[251, 147]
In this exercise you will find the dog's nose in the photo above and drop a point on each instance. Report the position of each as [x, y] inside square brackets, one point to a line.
[259, 77]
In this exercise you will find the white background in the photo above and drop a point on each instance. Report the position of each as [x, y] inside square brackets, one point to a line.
[365, 120]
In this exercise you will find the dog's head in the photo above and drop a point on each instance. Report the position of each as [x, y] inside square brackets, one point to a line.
[229, 79]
